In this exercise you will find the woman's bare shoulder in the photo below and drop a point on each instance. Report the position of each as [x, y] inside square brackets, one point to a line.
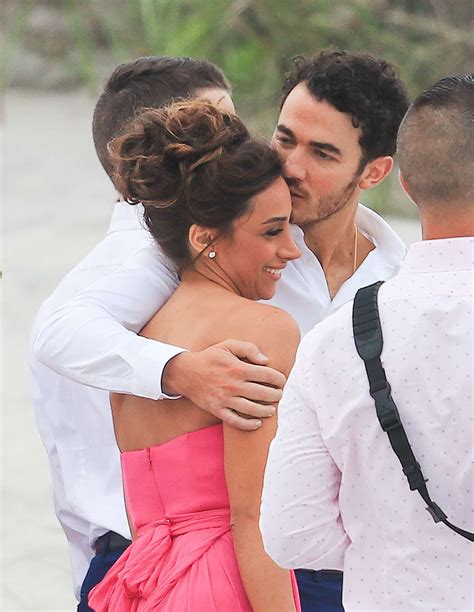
[228, 316]
[274, 331]
[266, 315]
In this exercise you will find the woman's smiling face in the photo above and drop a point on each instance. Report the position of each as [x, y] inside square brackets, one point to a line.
[259, 245]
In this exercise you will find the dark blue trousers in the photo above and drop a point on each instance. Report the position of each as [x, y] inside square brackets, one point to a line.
[99, 566]
[320, 591]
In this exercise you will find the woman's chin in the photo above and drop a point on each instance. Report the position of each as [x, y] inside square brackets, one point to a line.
[260, 293]
[267, 294]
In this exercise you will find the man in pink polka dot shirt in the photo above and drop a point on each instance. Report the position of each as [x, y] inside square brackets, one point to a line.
[334, 493]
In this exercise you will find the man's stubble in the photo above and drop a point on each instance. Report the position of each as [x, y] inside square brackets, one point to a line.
[305, 213]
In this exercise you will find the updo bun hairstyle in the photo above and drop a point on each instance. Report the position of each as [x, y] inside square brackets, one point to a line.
[190, 163]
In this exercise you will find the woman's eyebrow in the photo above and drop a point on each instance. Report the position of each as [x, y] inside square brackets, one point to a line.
[274, 219]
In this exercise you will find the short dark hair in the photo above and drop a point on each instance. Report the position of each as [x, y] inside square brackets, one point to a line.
[147, 82]
[366, 88]
[189, 163]
[436, 143]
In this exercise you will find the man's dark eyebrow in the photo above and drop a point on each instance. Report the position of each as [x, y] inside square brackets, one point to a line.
[285, 130]
[325, 146]
[274, 220]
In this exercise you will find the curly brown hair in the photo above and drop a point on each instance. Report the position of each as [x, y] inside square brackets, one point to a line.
[190, 163]
[365, 87]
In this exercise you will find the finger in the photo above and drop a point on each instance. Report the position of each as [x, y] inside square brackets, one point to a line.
[259, 393]
[251, 409]
[229, 417]
[264, 375]
[246, 350]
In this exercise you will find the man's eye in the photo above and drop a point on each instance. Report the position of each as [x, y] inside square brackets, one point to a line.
[322, 155]
[274, 232]
[284, 140]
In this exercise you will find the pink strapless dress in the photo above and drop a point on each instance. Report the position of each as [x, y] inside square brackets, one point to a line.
[182, 558]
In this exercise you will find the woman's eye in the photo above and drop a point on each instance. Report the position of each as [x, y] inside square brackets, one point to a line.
[274, 232]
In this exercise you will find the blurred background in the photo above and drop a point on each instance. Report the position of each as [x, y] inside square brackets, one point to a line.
[59, 45]
[57, 200]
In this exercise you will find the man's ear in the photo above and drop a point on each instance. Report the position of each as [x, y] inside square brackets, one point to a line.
[375, 171]
[200, 238]
[403, 183]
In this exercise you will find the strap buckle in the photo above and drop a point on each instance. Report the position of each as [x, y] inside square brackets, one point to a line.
[387, 412]
[436, 512]
[414, 475]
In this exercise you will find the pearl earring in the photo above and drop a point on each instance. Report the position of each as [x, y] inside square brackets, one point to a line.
[211, 254]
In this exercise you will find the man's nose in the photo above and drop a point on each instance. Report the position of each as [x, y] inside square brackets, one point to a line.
[293, 167]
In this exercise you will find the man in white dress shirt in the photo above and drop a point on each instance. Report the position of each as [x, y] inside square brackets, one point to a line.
[334, 491]
[74, 420]
[336, 133]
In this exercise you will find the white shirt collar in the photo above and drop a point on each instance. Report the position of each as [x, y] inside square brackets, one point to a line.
[444, 255]
[378, 231]
[388, 244]
[126, 217]
[303, 291]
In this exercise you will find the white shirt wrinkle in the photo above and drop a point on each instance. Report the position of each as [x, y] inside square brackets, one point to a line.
[351, 483]
[84, 337]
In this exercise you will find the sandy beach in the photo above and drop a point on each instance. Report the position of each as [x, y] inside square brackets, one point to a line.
[57, 204]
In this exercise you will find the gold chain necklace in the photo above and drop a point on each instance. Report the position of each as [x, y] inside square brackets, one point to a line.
[355, 249]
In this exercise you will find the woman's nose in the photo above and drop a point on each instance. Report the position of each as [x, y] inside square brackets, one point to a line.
[289, 250]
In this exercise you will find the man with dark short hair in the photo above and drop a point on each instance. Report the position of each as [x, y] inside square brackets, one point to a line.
[152, 82]
[334, 490]
[74, 420]
[336, 134]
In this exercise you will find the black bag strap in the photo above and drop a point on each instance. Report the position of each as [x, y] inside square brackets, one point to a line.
[369, 343]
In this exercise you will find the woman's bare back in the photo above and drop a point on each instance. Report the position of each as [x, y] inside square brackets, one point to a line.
[198, 315]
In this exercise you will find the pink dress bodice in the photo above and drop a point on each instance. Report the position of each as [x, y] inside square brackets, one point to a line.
[179, 477]
[182, 558]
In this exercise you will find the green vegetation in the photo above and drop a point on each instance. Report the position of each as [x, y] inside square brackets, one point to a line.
[78, 42]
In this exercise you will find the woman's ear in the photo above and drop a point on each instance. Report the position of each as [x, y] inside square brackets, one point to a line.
[200, 238]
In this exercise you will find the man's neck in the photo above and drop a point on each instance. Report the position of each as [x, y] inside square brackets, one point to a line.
[339, 248]
[437, 225]
[332, 239]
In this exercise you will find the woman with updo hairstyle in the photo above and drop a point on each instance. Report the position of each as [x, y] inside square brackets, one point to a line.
[217, 205]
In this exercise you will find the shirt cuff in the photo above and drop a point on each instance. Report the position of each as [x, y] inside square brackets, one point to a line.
[149, 369]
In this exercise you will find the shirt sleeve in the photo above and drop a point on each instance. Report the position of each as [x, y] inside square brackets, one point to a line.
[92, 338]
[300, 521]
